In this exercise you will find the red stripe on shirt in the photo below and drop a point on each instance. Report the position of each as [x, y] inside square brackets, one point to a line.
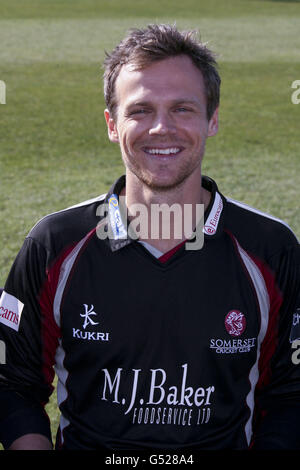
[166, 256]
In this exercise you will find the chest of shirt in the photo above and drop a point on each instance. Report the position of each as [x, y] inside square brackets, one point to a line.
[128, 303]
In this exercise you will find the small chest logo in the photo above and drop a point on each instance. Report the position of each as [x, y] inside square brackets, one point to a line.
[235, 322]
[86, 316]
[88, 321]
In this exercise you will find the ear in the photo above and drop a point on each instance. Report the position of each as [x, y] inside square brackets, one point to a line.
[213, 124]
[111, 127]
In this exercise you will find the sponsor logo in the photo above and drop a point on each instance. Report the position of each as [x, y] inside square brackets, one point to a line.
[89, 335]
[212, 221]
[209, 230]
[151, 402]
[10, 311]
[9, 315]
[295, 329]
[86, 316]
[215, 219]
[296, 317]
[119, 230]
[235, 323]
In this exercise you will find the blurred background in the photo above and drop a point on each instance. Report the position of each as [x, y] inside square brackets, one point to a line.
[54, 150]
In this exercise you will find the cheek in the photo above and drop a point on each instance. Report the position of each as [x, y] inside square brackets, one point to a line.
[126, 142]
[195, 128]
[131, 134]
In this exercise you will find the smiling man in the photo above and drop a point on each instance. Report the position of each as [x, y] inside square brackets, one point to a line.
[155, 345]
[162, 129]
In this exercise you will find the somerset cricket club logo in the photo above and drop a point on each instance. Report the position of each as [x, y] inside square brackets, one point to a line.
[235, 323]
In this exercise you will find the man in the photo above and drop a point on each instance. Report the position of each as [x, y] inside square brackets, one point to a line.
[156, 344]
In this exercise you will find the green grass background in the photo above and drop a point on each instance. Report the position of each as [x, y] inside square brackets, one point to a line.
[54, 150]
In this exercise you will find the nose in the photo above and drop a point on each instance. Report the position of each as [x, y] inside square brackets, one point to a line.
[162, 125]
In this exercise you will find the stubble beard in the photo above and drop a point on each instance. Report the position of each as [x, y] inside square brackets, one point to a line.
[146, 179]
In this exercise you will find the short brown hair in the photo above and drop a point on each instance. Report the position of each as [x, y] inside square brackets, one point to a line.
[157, 42]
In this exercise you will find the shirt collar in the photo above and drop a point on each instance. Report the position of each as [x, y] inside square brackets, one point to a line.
[213, 217]
[117, 222]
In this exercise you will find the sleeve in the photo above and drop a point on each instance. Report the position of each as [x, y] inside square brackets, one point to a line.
[29, 340]
[278, 398]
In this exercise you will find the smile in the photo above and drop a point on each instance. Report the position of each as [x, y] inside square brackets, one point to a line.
[165, 151]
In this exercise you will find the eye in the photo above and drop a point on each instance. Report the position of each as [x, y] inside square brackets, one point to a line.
[138, 111]
[182, 109]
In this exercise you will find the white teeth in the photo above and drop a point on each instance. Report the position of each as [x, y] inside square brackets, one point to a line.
[164, 151]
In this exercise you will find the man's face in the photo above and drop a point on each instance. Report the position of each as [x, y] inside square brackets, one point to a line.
[161, 123]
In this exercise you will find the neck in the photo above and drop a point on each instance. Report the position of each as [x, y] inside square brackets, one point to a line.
[166, 227]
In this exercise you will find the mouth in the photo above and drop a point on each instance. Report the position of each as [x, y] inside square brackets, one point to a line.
[163, 152]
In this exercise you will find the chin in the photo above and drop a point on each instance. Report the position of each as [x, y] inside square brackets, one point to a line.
[162, 185]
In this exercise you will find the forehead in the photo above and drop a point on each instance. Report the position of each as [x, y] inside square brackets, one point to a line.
[170, 78]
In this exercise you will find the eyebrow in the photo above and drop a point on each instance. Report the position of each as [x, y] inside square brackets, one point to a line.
[186, 101]
[174, 103]
[139, 103]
